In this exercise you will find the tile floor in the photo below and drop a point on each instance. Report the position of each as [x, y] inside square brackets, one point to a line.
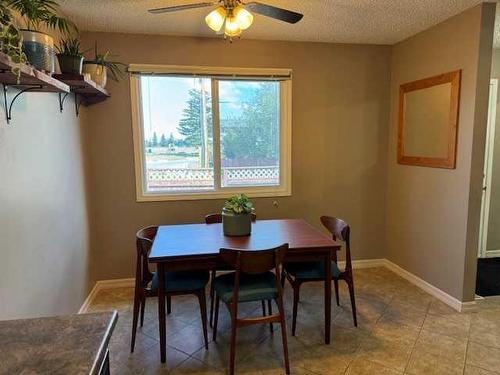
[402, 330]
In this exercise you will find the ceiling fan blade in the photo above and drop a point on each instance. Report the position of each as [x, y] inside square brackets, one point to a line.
[274, 12]
[176, 8]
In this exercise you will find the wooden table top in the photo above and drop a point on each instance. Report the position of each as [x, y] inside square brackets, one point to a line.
[175, 242]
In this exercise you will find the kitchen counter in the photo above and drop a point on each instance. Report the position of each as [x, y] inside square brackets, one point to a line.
[73, 344]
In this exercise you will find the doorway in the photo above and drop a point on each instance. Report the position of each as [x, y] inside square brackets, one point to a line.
[488, 280]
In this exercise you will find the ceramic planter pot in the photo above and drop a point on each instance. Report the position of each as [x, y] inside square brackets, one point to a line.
[39, 50]
[98, 73]
[236, 225]
[70, 64]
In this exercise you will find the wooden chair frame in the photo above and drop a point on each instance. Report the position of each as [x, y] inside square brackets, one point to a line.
[253, 262]
[217, 219]
[143, 277]
[340, 232]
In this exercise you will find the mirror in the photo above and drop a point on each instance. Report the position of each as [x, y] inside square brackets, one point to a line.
[428, 121]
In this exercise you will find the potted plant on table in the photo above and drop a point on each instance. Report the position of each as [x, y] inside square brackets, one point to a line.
[237, 216]
[39, 46]
[11, 41]
[100, 65]
[69, 56]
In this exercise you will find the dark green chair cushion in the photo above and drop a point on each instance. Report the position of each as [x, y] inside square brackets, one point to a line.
[252, 287]
[310, 270]
[182, 281]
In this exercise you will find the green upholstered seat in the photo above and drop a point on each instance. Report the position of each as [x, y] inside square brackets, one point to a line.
[310, 270]
[182, 281]
[252, 287]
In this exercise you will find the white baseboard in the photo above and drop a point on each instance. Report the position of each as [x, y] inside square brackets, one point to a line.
[492, 253]
[104, 284]
[356, 264]
[431, 289]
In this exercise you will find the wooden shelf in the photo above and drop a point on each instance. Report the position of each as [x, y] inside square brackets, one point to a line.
[29, 77]
[84, 87]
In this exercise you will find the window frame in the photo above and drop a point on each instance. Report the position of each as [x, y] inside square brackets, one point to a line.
[216, 74]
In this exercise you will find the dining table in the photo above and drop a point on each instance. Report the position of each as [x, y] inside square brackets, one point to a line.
[185, 247]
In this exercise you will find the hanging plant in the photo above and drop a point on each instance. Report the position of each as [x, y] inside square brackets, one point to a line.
[11, 41]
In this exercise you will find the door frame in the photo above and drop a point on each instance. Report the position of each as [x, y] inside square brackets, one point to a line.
[487, 172]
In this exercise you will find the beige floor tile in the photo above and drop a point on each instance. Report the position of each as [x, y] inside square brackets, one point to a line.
[483, 357]
[403, 313]
[363, 367]
[436, 354]
[485, 328]
[194, 367]
[389, 345]
[455, 325]
[401, 329]
[471, 370]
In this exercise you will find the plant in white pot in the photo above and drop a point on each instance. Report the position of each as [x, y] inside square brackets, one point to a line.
[39, 46]
[99, 67]
[237, 216]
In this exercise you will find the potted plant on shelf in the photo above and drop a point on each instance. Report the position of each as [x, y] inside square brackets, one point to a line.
[100, 65]
[69, 56]
[237, 216]
[11, 41]
[39, 46]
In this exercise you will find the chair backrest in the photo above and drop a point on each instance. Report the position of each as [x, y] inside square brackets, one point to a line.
[340, 231]
[217, 218]
[144, 241]
[254, 262]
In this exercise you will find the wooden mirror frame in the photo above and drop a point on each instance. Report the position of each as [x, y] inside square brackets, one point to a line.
[450, 160]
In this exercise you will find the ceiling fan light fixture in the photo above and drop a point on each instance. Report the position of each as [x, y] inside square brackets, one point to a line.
[243, 17]
[215, 19]
[232, 28]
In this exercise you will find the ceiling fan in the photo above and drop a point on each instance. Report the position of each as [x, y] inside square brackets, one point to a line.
[231, 17]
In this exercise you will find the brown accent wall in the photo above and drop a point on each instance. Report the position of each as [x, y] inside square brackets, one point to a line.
[340, 121]
[433, 214]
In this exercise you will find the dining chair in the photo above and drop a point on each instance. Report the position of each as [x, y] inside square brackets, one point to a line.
[176, 284]
[252, 280]
[299, 273]
[217, 219]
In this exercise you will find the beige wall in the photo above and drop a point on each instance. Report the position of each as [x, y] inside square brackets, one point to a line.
[430, 231]
[340, 119]
[44, 242]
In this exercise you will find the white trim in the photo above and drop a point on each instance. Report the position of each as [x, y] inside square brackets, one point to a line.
[105, 284]
[285, 186]
[492, 253]
[363, 263]
[488, 168]
[209, 70]
[429, 288]
[356, 264]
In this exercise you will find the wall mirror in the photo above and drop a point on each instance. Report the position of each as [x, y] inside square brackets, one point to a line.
[428, 121]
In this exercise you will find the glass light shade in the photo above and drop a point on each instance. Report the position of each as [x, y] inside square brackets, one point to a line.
[232, 28]
[215, 19]
[243, 17]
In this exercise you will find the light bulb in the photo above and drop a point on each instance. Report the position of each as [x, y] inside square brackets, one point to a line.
[232, 28]
[215, 19]
[243, 17]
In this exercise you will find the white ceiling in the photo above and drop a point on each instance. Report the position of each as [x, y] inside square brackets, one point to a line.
[342, 21]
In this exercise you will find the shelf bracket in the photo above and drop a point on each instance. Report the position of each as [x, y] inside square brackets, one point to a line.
[8, 107]
[78, 103]
[62, 98]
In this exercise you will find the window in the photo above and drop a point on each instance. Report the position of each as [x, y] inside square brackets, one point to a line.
[209, 133]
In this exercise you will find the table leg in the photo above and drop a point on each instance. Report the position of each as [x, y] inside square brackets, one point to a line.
[328, 296]
[161, 311]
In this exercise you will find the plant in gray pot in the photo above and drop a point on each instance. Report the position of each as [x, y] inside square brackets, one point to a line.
[237, 216]
[69, 56]
[39, 46]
